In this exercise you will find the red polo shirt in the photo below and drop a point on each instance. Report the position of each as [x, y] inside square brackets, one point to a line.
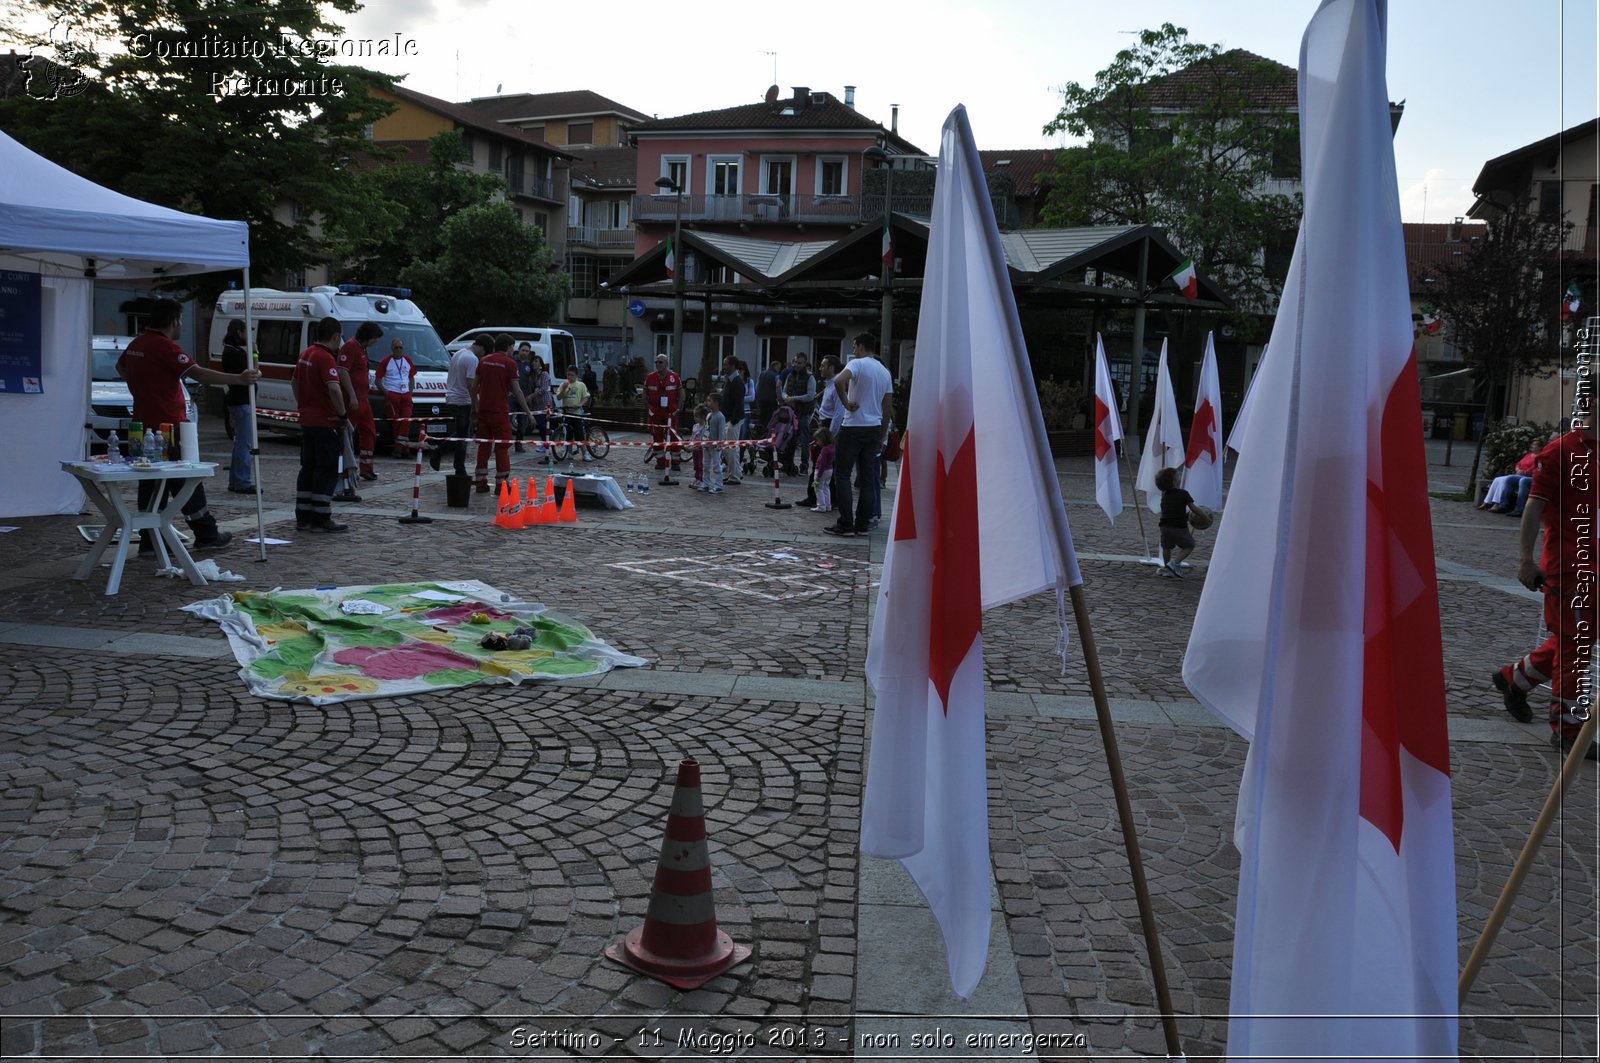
[1568, 479]
[353, 360]
[496, 373]
[312, 373]
[659, 386]
[153, 365]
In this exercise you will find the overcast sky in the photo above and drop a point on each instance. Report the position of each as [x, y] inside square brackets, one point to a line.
[1479, 77]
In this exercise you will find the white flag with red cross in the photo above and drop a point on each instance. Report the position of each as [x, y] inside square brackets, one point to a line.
[1107, 432]
[1317, 634]
[1202, 462]
[978, 522]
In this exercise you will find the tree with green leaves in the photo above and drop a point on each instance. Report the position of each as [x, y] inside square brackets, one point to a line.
[1195, 141]
[403, 209]
[1501, 303]
[229, 110]
[491, 269]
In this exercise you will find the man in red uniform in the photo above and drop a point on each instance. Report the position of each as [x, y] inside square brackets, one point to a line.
[353, 365]
[397, 379]
[154, 367]
[497, 382]
[1565, 500]
[663, 393]
[320, 394]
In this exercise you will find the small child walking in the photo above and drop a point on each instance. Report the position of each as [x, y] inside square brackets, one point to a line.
[716, 430]
[1177, 542]
[824, 472]
[699, 435]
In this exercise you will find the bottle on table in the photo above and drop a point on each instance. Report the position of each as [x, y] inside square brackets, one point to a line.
[135, 440]
[152, 446]
[113, 447]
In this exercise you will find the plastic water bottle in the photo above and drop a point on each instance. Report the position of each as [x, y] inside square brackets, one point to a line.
[113, 447]
[152, 446]
[644, 483]
[629, 488]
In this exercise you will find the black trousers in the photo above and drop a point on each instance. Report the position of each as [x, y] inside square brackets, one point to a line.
[201, 522]
[319, 475]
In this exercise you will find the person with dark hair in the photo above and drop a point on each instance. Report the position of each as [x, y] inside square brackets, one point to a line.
[663, 392]
[866, 392]
[497, 384]
[320, 394]
[800, 393]
[732, 405]
[154, 366]
[241, 414]
[353, 366]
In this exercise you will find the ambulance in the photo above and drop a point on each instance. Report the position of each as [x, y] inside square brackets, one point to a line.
[284, 325]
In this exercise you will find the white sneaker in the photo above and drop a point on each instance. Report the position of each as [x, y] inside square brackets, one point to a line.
[716, 491]
[1173, 568]
[701, 487]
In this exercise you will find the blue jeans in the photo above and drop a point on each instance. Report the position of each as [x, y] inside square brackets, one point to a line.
[855, 455]
[241, 472]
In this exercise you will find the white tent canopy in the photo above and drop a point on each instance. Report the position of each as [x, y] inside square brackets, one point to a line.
[70, 230]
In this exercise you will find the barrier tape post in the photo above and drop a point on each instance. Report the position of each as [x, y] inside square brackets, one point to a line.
[777, 489]
[416, 484]
[669, 439]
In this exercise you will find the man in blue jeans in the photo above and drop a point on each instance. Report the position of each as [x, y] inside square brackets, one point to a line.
[866, 391]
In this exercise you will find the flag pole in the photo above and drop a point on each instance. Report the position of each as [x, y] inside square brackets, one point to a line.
[1138, 508]
[1130, 838]
[1524, 864]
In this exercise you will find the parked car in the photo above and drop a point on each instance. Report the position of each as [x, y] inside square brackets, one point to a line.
[556, 347]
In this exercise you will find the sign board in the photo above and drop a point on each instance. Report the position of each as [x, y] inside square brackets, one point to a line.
[636, 308]
[21, 334]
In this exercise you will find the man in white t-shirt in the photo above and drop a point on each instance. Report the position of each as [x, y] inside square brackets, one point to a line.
[866, 391]
[460, 399]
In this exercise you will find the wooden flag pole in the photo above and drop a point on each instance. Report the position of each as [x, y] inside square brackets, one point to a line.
[1130, 839]
[1524, 864]
[1138, 509]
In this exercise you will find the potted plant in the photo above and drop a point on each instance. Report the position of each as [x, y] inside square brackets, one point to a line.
[1066, 416]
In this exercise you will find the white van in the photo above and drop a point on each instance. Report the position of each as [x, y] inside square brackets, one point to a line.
[284, 322]
[557, 348]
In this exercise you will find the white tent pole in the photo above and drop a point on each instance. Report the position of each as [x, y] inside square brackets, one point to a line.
[255, 432]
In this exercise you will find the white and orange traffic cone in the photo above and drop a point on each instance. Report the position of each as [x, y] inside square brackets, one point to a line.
[679, 942]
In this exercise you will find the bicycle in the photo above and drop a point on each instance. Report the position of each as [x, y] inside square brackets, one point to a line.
[595, 439]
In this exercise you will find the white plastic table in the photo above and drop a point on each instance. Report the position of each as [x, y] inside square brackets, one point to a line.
[104, 482]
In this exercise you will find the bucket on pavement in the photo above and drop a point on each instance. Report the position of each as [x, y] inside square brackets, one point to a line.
[458, 490]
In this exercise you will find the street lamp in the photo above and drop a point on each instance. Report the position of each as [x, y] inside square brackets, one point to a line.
[877, 155]
[678, 258]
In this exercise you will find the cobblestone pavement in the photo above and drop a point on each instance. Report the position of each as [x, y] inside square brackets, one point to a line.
[188, 870]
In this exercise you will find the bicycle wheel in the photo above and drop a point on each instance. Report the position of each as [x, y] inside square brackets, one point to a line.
[598, 442]
[559, 447]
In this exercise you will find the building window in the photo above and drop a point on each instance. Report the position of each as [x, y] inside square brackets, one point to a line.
[496, 155]
[724, 174]
[1286, 155]
[774, 347]
[541, 221]
[833, 176]
[675, 168]
[580, 132]
[619, 214]
[777, 176]
[1550, 201]
[721, 347]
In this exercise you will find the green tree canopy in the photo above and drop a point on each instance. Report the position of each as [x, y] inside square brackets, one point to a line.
[1501, 300]
[223, 109]
[491, 269]
[399, 209]
[1188, 138]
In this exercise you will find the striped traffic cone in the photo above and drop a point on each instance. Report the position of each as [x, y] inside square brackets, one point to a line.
[502, 511]
[679, 942]
[547, 512]
[569, 507]
[531, 511]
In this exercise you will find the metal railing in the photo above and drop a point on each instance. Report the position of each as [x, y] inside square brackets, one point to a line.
[771, 209]
[524, 184]
[596, 236]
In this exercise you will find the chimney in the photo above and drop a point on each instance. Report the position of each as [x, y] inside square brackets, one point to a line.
[850, 96]
[894, 118]
[1453, 234]
[802, 96]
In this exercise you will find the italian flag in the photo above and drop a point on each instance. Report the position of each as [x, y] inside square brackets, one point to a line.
[1186, 279]
[888, 247]
[672, 258]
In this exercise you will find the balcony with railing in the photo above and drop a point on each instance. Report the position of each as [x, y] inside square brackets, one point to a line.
[532, 187]
[775, 209]
[594, 236]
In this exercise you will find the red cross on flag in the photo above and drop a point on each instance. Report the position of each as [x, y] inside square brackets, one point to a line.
[1107, 431]
[1202, 463]
[978, 522]
[1317, 634]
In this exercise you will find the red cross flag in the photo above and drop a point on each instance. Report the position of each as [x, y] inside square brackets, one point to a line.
[1202, 463]
[1163, 439]
[1317, 634]
[978, 522]
[1107, 431]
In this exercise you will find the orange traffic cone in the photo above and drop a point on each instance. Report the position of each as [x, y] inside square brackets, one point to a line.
[530, 505]
[547, 512]
[514, 515]
[679, 942]
[569, 509]
[502, 512]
